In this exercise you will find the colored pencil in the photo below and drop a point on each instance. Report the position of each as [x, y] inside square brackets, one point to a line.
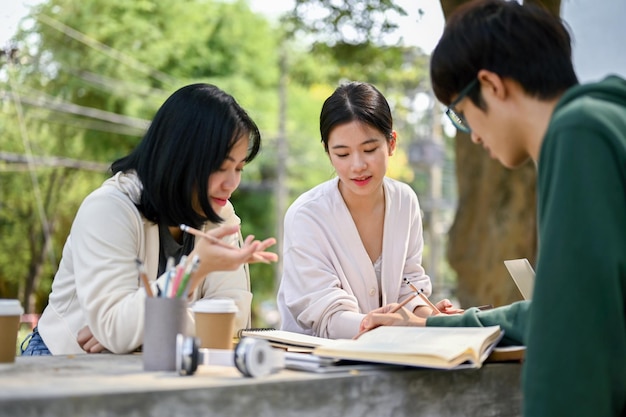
[144, 278]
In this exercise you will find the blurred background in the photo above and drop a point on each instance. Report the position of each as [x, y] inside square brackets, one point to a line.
[81, 79]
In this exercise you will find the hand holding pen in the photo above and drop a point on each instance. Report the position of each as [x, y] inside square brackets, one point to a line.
[390, 315]
[210, 254]
[388, 309]
[442, 307]
[225, 257]
[421, 294]
[396, 315]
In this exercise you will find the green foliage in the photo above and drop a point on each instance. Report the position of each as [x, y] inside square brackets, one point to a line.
[91, 74]
[259, 220]
[354, 21]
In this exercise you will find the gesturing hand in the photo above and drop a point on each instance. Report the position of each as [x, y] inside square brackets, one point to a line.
[217, 255]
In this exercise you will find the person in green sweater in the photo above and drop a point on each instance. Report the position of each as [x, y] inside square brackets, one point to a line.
[506, 74]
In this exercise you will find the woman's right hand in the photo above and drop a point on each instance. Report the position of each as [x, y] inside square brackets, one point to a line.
[217, 257]
[382, 317]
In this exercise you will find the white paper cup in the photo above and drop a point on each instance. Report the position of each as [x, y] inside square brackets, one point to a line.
[215, 322]
[10, 312]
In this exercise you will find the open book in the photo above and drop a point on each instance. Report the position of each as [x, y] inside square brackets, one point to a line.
[429, 347]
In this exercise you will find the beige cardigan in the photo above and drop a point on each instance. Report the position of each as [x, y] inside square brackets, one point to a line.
[329, 282]
[97, 284]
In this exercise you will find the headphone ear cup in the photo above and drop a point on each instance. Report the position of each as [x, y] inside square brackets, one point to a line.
[195, 354]
[187, 352]
[241, 351]
[256, 358]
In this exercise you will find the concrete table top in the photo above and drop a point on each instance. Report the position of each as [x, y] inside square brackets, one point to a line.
[116, 385]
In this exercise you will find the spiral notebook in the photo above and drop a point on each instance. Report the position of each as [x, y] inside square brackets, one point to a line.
[290, 341]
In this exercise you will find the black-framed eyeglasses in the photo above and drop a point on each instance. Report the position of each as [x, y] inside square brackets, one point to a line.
[457, 119]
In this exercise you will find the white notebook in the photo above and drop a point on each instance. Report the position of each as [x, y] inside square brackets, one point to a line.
[523, 275]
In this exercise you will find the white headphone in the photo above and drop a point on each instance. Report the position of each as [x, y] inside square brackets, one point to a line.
[252, 357]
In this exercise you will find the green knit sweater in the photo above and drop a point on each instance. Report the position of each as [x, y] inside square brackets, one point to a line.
[575, 331]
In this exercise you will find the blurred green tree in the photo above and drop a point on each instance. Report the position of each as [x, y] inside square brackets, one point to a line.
[86, 80]
[89, 75]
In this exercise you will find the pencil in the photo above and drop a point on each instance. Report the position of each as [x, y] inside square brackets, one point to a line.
[182, 287]
[144, 278]
[178, 275]
[421, 294]
[219, 242]
[427, 301]
[402, 304]
[170, 268]
[393, 310]
[213, 239]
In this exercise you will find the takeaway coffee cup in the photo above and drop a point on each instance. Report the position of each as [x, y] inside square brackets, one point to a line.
[10, 312]
[215, 322]
[164, 319]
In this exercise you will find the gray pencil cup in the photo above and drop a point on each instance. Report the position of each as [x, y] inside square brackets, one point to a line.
[164, 319]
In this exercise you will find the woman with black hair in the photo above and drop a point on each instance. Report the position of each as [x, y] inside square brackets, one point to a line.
[182, 172]
[353, 243]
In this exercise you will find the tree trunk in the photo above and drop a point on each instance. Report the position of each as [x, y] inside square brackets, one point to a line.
[40, 243]
[495, 219]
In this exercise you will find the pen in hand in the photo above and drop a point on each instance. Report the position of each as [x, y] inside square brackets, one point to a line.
[422, 296]
[393, 310]
[198, 233]
[402, 304]
[219, 242]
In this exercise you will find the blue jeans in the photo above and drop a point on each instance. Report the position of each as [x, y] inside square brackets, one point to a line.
[35, 345]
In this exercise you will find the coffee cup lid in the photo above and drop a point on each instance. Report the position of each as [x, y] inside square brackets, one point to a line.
[10, 307]
[215, 305]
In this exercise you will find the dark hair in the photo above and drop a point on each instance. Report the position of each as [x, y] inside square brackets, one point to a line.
[189, 138]
[355, 101]
[525, 43]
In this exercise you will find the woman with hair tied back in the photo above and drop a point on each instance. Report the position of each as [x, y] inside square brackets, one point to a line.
[353, 243]
[183, 172]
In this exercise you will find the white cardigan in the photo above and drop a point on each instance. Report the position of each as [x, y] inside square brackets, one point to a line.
[97, 281]
[328, 282]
